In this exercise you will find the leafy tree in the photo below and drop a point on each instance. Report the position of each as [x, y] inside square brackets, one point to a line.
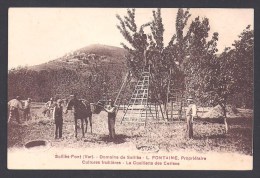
[230, 73]
[181, 59]
[136, 39]
[157, 59]
[219, 82]
[199, 52]
[145, 49]
[243, 67]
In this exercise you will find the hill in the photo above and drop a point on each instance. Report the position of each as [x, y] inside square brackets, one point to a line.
[90, 72]
[84, 58]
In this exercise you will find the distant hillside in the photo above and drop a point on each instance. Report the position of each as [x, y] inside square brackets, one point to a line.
[104, 50]
[91, 72]
[83, 59]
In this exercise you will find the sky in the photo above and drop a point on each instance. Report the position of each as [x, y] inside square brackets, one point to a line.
[38, 35]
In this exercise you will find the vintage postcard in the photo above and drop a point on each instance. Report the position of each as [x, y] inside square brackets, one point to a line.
[130, 89]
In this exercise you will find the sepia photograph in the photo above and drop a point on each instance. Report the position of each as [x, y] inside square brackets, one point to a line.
[130, 88]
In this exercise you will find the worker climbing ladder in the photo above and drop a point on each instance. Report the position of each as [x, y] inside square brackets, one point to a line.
[140, 109]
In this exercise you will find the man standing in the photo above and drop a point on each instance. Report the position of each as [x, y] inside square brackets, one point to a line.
[14, 106]
[58, 119]
[111, 110]
[27, 108]
[191, 112]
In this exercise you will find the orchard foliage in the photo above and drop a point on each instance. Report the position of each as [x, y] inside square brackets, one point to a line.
[191, 56]
[243, 67]
[136, 38]
[60, 83]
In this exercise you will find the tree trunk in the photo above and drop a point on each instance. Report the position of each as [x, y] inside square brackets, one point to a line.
[166, 110]
[226, 125]
[180, 112]
[225, 117]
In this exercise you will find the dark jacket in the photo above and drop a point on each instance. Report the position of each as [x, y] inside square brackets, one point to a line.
[58, 114]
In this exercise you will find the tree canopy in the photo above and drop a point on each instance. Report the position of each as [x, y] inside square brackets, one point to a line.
[191, 58]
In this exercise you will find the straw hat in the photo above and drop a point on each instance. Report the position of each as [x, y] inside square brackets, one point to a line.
[73, 95]
[59, 101]
[111, 101]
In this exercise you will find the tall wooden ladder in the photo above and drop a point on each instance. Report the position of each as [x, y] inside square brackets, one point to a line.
[120, 94]
[139, 109]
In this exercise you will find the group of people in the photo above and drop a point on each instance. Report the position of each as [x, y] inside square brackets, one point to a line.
[48, 108]
[16, 105]
[76, 103]
[56, 107]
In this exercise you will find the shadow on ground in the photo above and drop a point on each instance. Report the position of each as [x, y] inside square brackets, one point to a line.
[214, 136]
[119, 139]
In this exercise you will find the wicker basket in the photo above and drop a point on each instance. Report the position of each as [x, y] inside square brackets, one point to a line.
[96, 109]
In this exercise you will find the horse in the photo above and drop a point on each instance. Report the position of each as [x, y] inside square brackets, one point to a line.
[83, 112]
[88, 114]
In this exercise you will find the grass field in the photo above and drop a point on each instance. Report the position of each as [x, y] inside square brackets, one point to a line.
[208, 136]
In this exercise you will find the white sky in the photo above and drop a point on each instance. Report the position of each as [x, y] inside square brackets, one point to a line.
[37, 35]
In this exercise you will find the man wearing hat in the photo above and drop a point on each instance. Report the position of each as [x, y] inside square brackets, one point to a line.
[111, 110]
[191, 112]
[27, 108]
[58, 119]
[14, 106]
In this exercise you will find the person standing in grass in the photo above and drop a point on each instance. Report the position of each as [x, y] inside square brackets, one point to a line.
[27, 108]
[58, 119]
[191, 113]
[111, 110]
[14, 106]
[49, 107]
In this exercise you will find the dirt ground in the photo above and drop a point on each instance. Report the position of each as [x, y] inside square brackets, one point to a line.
[208, 135]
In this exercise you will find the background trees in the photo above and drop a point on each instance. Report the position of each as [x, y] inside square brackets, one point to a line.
[230, 75]
[60, 83]
[191, 60]
[184, 56]
[243, 68]
[136, 39]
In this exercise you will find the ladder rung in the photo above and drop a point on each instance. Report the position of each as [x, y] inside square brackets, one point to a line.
[134, 122]
[137, 101]
[142, 90]
[139, 98]
[134, 113]
[132, 117]
[142, 85]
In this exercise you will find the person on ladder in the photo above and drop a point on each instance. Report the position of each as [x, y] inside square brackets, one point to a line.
[191, 113]
[146, 53]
